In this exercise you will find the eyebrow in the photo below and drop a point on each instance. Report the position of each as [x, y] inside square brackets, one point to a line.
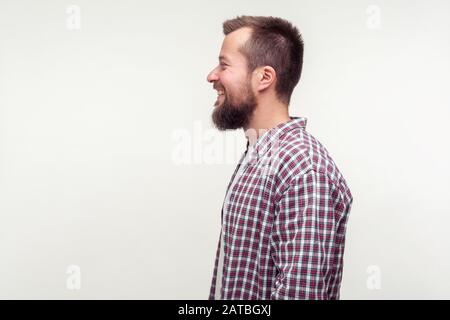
[223, 58]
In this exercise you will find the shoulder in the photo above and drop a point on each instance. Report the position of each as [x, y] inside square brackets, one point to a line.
[301, 154]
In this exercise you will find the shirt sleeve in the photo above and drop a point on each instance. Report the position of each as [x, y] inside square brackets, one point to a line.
[307, 239]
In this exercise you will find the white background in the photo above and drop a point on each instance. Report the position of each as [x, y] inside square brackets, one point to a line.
[88, 119]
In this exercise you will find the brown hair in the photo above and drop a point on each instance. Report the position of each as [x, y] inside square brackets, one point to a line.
[274, 42]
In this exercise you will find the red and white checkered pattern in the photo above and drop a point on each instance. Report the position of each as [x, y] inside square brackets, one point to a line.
[284, 227]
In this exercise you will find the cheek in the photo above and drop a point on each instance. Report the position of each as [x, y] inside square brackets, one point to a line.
[228, 80]
[232, 84]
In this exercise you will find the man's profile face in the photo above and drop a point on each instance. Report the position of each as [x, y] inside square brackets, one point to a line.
[236, 101]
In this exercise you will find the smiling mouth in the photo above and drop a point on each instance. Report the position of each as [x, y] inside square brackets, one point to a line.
[219, 100]
[220, 93]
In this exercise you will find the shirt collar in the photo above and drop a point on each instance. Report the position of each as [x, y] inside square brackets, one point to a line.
[268, 138]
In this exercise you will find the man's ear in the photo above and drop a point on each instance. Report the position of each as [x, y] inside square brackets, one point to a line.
[266, 76]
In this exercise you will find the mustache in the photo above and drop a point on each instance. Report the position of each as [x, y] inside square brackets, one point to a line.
[218, 88]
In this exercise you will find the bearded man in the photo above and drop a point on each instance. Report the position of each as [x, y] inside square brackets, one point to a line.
[286, 207]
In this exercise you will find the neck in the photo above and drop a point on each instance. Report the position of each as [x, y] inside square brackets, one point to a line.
[265, 117]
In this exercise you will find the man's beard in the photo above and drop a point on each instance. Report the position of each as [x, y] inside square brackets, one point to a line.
[231, 115]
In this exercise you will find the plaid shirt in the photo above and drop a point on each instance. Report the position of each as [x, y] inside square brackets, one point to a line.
[284, 225]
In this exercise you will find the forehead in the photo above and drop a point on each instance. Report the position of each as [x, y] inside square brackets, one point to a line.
[232, 42]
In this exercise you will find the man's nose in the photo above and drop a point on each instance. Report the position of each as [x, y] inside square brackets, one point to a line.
[212, 76]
